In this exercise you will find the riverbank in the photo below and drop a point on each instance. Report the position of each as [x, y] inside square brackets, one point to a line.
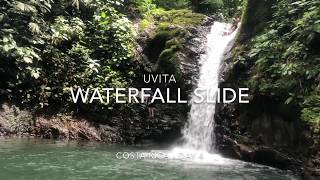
[22, 123]
[16, 122]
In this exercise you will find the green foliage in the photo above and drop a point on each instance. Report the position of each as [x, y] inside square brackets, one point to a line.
[180, 17]
[163, 19]
[311, 111]
[171, 30]
[144, 24]
[144, 6]
[225, 7]
[66, 30]
[284, 60]
[172, 4]
[44, 51]
[178, 11]
[169, 63]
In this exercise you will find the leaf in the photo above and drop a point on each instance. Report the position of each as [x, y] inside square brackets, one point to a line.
[5, 39]
[24, 7]
[289, 100]
[1, 17]
[316, 28]
[36, 75]
[34, 28]
[76, 3]
[103, 15]
[6, 48]
[254, 52]
[34, 55]
[27, 59]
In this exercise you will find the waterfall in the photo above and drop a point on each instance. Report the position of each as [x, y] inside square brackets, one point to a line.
[199, 132]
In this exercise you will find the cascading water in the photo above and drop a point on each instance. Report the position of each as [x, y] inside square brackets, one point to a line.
[196, 152]
[199, 134]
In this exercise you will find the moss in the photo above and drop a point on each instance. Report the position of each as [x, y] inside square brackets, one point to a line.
[164, 25]
[174, 43]
[255, 17]
[169, 63]
[181, 17]
[156, 45]
[165, 39]
[311, 112]
[276, 66]
[144, 24]
[163, 19]
[171, 30]
[178, 73]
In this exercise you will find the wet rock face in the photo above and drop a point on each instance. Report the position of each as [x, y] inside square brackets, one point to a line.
[170, 118]
[181, 45]
[164, 128]
[265, 131]
[312, 165]
[261, 132]
[193, 49]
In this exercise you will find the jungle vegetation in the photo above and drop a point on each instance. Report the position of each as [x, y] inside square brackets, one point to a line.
[48, 46]
[282, 60]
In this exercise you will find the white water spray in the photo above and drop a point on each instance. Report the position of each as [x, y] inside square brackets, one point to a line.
[199, 134]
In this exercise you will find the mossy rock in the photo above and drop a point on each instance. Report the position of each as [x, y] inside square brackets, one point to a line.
[163, 18]
[144, 24]
[182, 17]
[170, 33]
[311, 112]
[156, 45]
[256, 16]
[164, 39]
[169, 63]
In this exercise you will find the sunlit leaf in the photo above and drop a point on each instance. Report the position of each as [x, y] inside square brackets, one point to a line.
[27, 59]
[34, 28]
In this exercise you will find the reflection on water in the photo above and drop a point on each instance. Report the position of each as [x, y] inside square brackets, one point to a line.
[31, 159]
